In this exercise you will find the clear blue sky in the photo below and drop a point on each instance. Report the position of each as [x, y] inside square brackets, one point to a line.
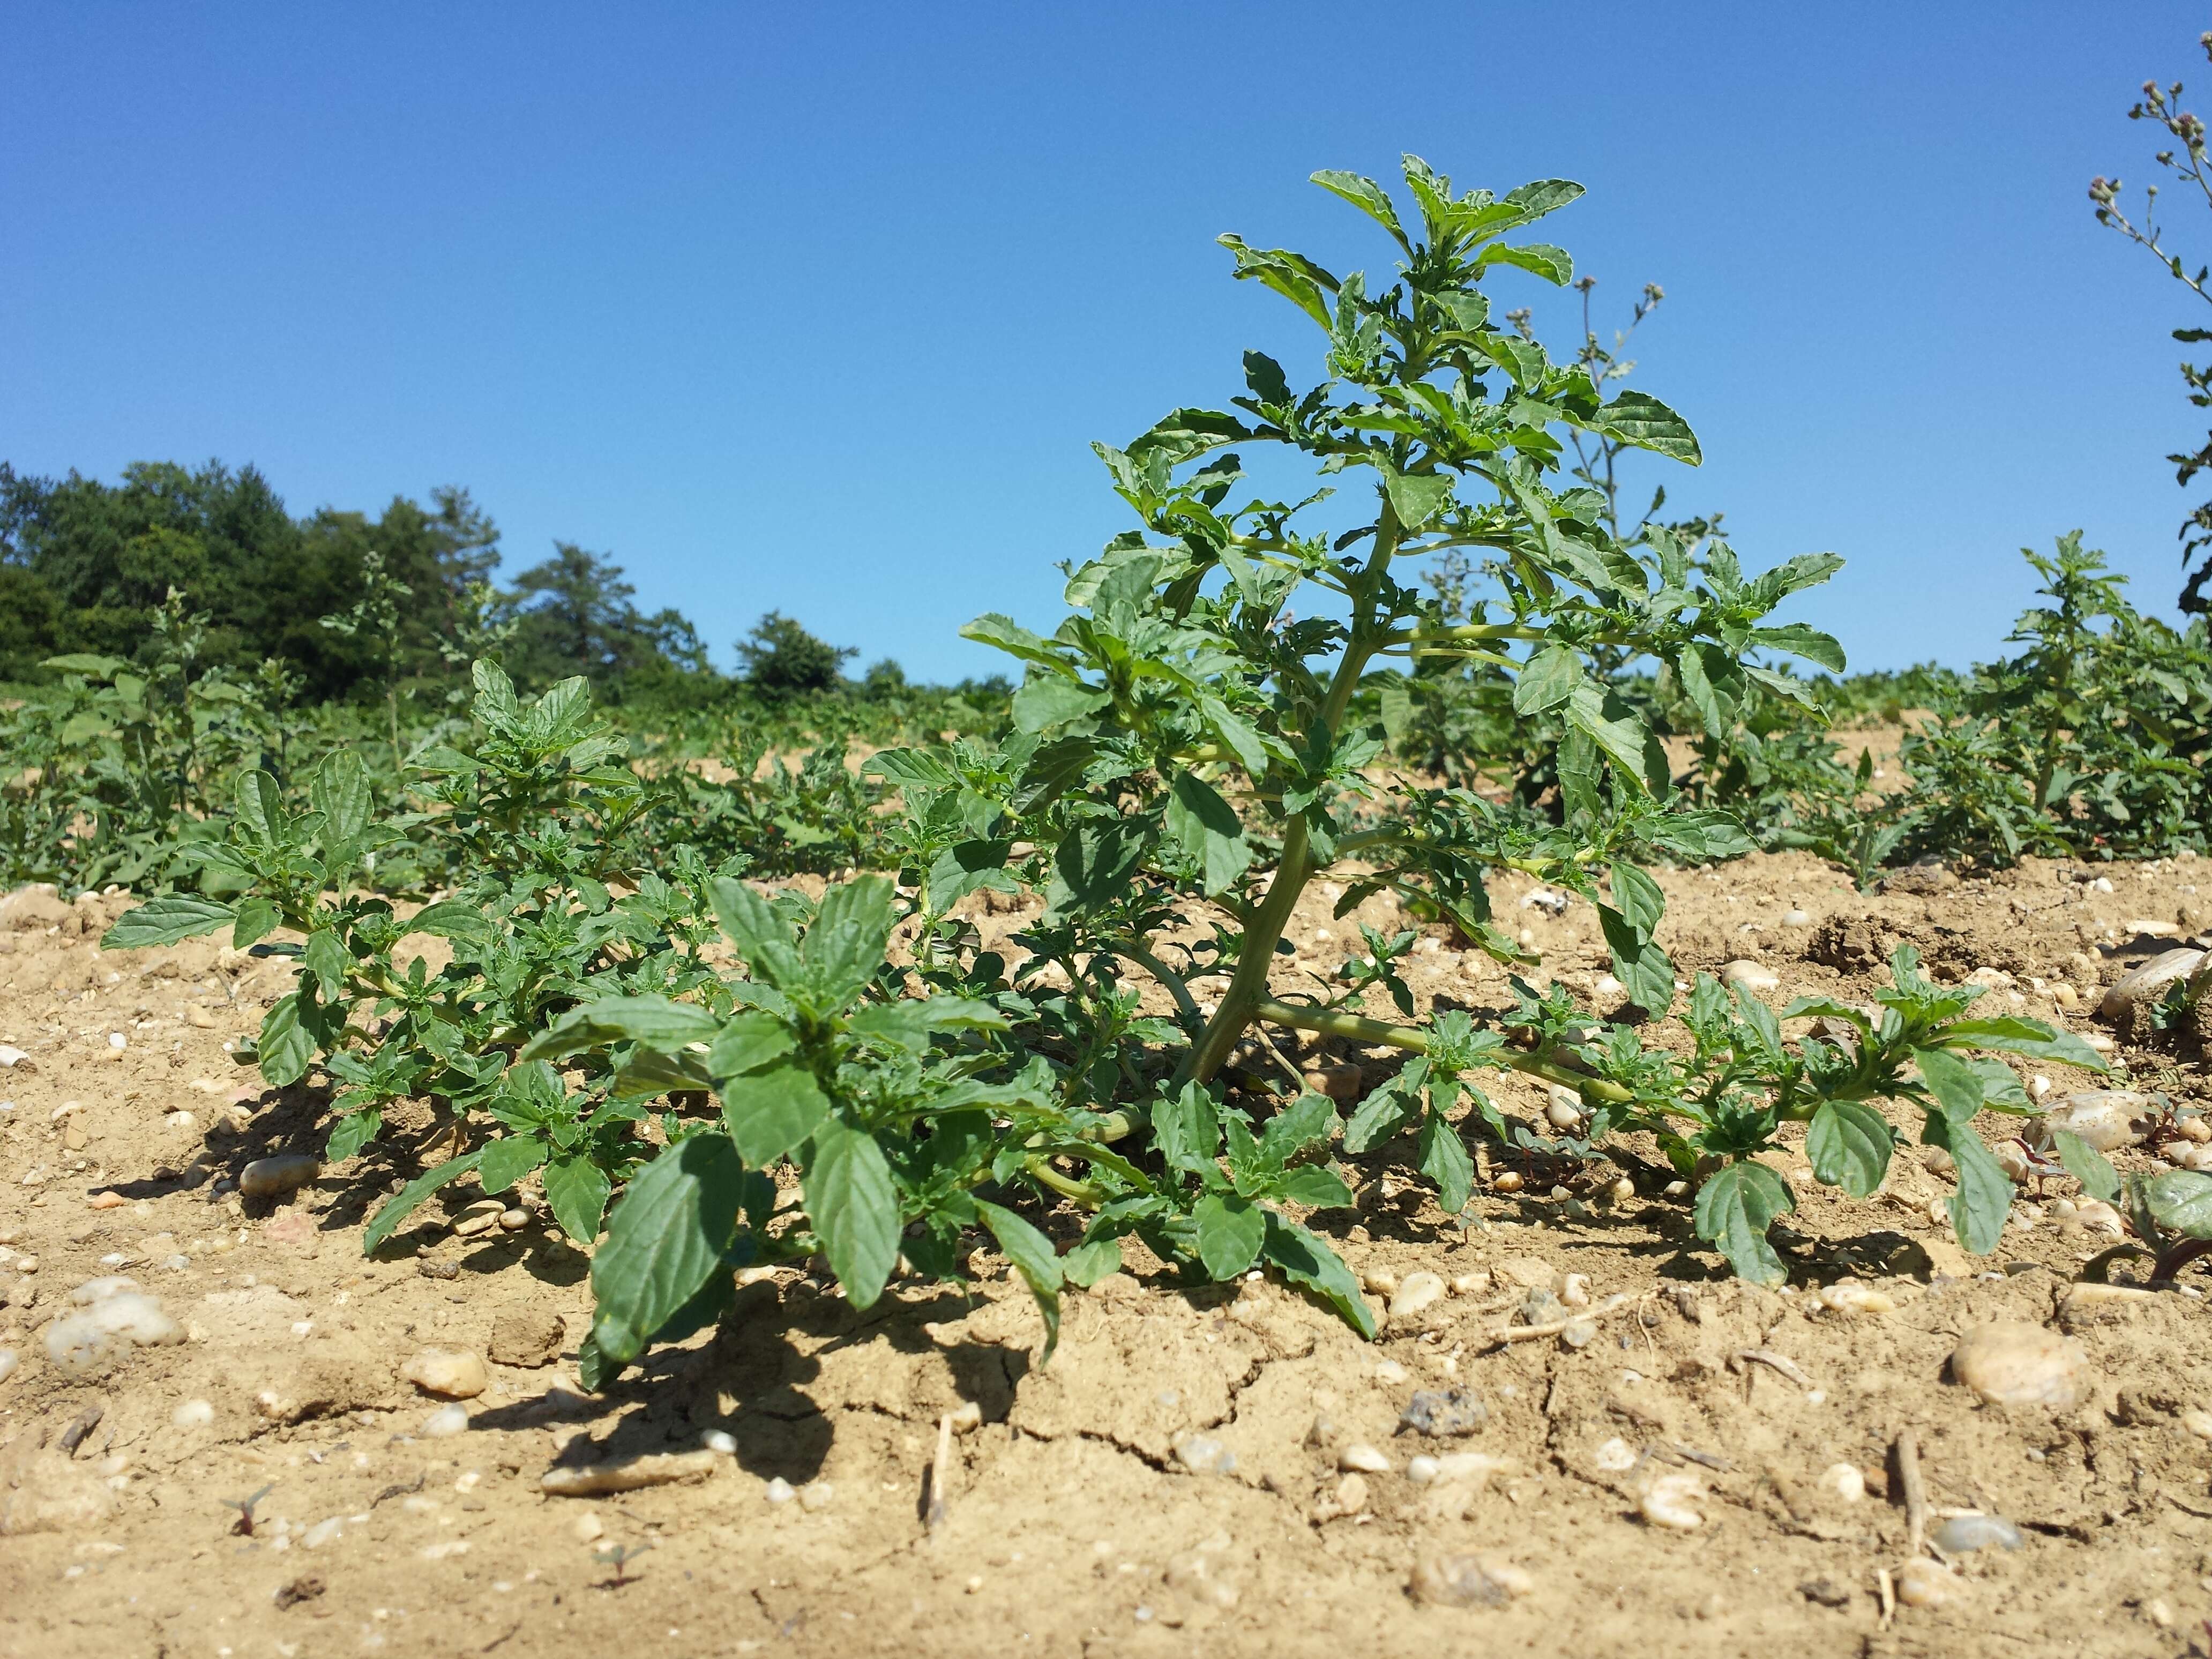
[817, 307]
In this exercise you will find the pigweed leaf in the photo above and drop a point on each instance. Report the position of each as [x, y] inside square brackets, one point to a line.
[772, 1112]
[506, 1160]
[1444, 1160]
[1849, 1144]
[1086, 1264]
[1310, 1265]
[454, 918]
[967, 866]
[1416, 497]
[752, 924]
[667, 1238]
[1229, 1232]
[1640, 419]
[2031, 1038]
[403, 1203]
[1735, 1208]
[576, 1191]
[285, 1047]
[1549, 680]
[1050, 700]
[2087, 1165]
[855, 1210]
[845, 945]
[2180, 1200]
[1033, 1257]
[167, 919]
[350, 1134]
[258, 918]
[1984, 1202]
[1208, 829]
[1956, 1085]
[748, 1040]
[340, 791]
[1370, 198]
[654, 1022]
[261, 811]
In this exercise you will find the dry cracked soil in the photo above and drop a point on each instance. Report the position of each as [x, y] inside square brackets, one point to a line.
[1222, 1469]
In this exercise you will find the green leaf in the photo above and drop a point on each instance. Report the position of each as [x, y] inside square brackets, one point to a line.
[655, 1022]
[1800, 641]
[1735, 1208]
[1549, 679]
[1034, 1258]
[773, 1112]
[668, 1237]
[758, 932]
[506, 1160]
[1313, 1185]
[845, 947]
[261, 808]
[961, 869]
[1050, 700]
[854, 1209]
[576, 1191]
[1010, 636]
[750, 1039]
[2181, 1199]
[257, 920]
[340, 791]
[404, 1202]
[1086, 1264]
[1208, 828]
[327, 958]
[284, 1048]
[1416, 497]
[2087, 1165]
[1444, 1160]
[1386, 1112]
[452, 918]
[1312, 1266]
[350, 1134]
[2031, 1038]
[1229, 1232]
[1364, 194]
[1983, 1203]
[1640, 419]
[164, 921]
[1849, 1144]
[1554, 265]
[1955, 1085]
[1639, 965]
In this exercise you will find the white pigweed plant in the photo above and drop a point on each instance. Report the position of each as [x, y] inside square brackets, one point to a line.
[1195, 745]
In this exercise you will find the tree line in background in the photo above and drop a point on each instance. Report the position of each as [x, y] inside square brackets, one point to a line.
[357, 607]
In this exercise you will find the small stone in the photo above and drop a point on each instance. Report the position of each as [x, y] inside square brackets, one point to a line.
[48, 1492]
[1340, 1082]
[323, 1532]
[86, 1343]
[1437, 1413]
[2107, 1119]
[1529, 1272]
[2199, 1422]
[192, 1414]
[1378, 1281]
[1795, 919]
[451, 1373]
[1751, 976]
[1671, 1501]
[629, 1474]
[1484, 1579]
[2009, 1362]
[98, 1289]
[1473, 1283]
[2159, 1613]
[527, 1337]
[1388, 1371]
[1962, 1534]
[1849, 1296]
[778, 1490]
[586, 1528]
[719, 1440]
[815, 1495]
[2147, 983]
[1362, 1458]
[515, 1220]
[1938, 1162]
[1202, 1454]
[9, 1360]
[1924, 1583]
[1416, 1293]
[1844, 1481]
[272, 1177]
[1615, 1457]
[447, 1420]
[1421, 1470]
[1351, 1496]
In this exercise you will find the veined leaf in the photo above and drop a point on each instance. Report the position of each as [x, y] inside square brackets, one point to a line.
[669, 1235]
[1229, 1233]
[576, 1192]
[1034, 1258]
[854, 1209]
[404, 1202]
[2087, 1165]
[1208, 829]
[1312, 1266]
[1849, 1144]
[1735, 1208]
[1638, 418]
[506, 1160]
[165, 920]
[655, 1022]
[773, 1112]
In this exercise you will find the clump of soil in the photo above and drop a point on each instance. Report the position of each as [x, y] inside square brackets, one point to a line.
[1225, 1465]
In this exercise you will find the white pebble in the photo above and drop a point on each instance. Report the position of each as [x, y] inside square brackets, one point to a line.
[778, 1490]
[447, 1419]
[1615, 1457]
[586, 1528]
[815, 1494]
[98, 1289]
[323, 1532]
[9, 1361]
[1416, 1293]
[1750, 975]
[1671, 1502]
[1389, 1371]
[1795, 919]
[1363, 1459]
[1421, 1470]
[272, 1177]
[192, 1414]
[719, 1440]
[454, 1373]
[117, 1040]
[85, 1343]
[1924, 1583]
[1844, 1481]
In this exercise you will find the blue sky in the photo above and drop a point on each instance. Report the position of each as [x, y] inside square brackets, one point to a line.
[818, 308]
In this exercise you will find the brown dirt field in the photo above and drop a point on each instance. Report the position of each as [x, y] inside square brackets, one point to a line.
[1071, 1523]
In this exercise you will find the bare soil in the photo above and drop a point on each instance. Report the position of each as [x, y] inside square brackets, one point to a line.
[1072, 1523]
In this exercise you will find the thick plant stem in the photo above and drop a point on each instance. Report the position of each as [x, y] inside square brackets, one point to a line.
[1247, 987]
[1357, 1028]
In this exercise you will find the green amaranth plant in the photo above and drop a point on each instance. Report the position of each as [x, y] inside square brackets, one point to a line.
[1185, 761]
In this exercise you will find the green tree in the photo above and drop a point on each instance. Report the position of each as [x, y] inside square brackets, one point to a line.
[782, 660]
